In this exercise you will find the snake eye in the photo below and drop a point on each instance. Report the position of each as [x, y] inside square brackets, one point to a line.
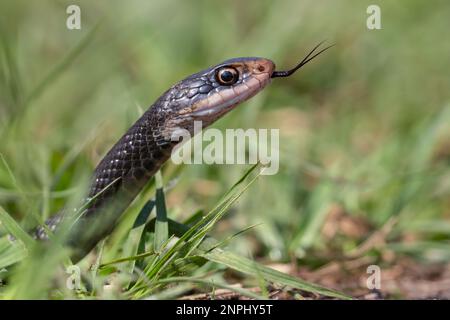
[227, 76]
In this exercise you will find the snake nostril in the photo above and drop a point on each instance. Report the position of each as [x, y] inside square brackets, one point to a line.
[261, 68]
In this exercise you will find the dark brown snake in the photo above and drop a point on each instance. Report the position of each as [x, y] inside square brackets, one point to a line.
[204, 96]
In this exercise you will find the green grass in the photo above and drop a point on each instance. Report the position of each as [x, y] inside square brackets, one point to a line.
[363, 130]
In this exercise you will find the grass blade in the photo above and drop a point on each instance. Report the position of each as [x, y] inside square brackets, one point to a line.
[161, 227]
[14, 229]
[11, 253]
[253, 268]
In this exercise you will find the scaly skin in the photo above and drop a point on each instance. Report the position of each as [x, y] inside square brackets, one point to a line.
[205, 96]
[147, 145]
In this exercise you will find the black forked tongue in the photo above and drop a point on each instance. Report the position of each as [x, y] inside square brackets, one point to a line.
[308, 58]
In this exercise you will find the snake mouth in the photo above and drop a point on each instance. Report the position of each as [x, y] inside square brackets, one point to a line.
[256, 76]
[221, 102]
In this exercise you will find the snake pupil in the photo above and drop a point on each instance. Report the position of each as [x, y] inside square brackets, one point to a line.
[227, 76]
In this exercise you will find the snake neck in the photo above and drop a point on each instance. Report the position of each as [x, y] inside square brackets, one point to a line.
[133, 160]
[117, 180]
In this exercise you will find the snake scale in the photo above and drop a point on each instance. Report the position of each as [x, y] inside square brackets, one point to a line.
[123, 172]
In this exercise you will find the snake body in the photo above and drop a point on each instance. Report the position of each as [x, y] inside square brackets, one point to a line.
[205, 96]
[148, 143]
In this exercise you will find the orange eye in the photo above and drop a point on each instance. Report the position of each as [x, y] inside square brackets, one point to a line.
[227, 76]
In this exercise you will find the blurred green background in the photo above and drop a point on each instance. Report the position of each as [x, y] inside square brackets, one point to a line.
[364, 128]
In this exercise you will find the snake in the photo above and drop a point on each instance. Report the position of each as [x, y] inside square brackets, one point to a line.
[135, 158]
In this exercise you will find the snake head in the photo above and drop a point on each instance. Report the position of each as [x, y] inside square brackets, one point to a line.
[209, 94]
